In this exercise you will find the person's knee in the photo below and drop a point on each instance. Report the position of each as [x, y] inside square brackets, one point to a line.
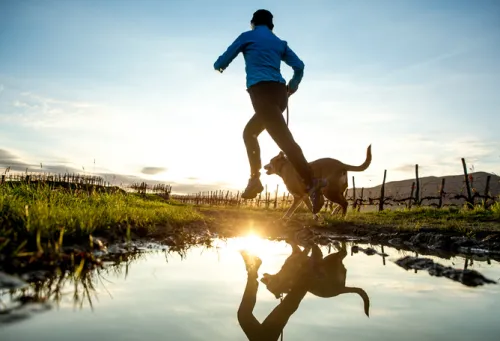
[249, 134]
[244, 315]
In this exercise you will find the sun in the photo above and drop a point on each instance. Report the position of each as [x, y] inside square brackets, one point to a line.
[253, 243]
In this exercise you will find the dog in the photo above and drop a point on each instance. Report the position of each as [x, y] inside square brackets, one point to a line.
[332, 170]
[329, 274]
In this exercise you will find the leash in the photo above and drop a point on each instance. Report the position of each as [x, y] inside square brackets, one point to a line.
[287, 113]
[281, 295]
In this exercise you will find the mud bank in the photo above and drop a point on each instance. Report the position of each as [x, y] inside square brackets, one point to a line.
[439, 241]
[425, 241]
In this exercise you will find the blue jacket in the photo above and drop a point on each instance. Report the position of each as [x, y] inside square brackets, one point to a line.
[263, 52]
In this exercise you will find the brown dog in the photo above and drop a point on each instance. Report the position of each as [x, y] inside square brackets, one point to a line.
[328, 279]
[334, 171]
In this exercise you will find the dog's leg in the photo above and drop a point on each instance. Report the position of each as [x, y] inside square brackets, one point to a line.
[295, 248]
[316, 254]
[306, 201]
[295, 205]
[288, 212]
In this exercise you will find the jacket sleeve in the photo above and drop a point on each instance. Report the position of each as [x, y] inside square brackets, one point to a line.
[292, 60]
[232, 51]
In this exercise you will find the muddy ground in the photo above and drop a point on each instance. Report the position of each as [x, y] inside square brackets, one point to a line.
[426, 241]
[444, 243]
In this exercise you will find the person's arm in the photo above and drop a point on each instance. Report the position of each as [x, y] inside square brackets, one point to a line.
[292, 60]
[232, 51]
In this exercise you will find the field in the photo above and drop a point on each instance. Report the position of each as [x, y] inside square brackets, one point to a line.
[40, 219]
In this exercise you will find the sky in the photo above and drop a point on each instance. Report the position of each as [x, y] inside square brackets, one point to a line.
[127, 88]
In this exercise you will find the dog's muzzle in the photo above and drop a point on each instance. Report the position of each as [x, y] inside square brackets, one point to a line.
[269, 169]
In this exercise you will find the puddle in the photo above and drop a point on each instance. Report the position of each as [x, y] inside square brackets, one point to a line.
[196, 294]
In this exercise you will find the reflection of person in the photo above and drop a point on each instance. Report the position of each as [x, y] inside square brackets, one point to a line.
[273, 325]
[263, 52]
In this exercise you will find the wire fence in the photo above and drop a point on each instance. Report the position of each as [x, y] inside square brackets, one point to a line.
[452, 191]
[472, 189]
[77, 181]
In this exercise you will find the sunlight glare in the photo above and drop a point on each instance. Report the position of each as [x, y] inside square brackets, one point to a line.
[254, 244]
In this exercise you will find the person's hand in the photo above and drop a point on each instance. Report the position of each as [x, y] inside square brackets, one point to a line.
[290, 91]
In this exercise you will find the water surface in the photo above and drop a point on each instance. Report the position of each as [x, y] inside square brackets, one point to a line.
[196, 295]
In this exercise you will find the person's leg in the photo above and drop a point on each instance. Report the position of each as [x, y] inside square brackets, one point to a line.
[269, 101]
[274, 323]
[251, 132]
[249, 324]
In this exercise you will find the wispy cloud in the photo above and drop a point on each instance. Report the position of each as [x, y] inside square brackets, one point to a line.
[153, 170]
[32, 110]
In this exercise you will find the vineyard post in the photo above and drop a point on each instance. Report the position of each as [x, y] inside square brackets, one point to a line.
[417, 189]
[487, 190]
[470, 199]
[283, 201]
[441, 193]
[361, 199]
[266, 200]
[238, 199]
[3, 180]
[382, 193]
[276, 196]
[411, 194]
[353, 193]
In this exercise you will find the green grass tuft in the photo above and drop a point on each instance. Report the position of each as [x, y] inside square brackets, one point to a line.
[34, 212]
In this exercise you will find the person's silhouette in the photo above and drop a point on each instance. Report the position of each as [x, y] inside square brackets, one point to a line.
[273, 325]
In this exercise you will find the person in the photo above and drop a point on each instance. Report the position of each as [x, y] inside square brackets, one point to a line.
[263, 52]
[272, 326]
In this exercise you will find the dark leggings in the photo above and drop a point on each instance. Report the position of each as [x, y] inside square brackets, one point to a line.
[273, 325]
[269, 100]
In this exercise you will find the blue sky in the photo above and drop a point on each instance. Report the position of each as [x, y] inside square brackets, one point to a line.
[130, 85]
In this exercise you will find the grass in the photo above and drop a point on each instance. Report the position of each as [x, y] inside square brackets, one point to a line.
[457, 219]
[460, 220]
[29, 214]
[36, 217]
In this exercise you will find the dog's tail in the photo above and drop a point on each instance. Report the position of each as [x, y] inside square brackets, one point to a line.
[364, 165]
[363, 295]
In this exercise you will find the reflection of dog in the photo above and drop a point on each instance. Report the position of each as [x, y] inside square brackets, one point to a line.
[328, 278]
[334, 171]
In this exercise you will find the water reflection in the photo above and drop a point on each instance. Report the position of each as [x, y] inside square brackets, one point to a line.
[203, 288]
[322, 276]
[20, 301]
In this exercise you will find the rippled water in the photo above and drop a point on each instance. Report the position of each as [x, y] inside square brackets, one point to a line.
[196, 296]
